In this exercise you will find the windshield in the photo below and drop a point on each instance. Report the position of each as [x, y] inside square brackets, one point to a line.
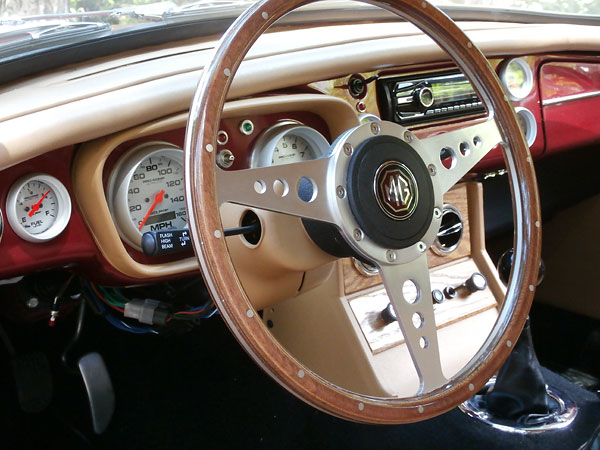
[128, 12]
[584, 7]
[37, 25]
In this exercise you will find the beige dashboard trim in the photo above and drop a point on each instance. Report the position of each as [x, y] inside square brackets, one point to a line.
[90, 158]
[56, 111]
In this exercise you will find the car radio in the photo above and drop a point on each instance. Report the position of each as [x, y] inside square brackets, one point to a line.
[426, 97]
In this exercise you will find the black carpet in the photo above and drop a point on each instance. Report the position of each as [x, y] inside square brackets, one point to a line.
[200, 390]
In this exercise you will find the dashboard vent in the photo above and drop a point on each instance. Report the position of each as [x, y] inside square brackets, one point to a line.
[450, 232]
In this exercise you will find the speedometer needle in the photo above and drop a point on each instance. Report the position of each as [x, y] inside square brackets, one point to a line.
[157, 199]
[35, 207]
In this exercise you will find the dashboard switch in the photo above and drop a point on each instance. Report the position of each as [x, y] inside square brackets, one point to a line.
[165, 242]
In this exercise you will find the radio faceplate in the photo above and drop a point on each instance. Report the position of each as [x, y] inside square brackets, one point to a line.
[420, 98]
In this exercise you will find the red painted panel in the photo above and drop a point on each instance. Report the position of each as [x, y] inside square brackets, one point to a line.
[572, 124]
[72, 245]
[560, 79]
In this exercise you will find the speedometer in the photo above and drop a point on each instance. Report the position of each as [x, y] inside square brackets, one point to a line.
[146, 191]
[288, 142]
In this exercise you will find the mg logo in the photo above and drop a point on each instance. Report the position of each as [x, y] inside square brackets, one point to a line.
[396, 190]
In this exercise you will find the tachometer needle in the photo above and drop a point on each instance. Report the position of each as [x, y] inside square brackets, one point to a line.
[36, 207]
[157, 199]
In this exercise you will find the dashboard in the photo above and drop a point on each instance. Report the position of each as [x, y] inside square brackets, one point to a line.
[89, 203]
[92, 181]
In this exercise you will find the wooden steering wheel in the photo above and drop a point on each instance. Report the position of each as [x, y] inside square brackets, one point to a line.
[411, 181]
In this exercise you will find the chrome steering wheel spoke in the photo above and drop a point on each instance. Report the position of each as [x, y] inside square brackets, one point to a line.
[298, 189]
[409, 289]
[462, 149]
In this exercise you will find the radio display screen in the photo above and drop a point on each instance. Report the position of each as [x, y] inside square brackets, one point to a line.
[452, 91]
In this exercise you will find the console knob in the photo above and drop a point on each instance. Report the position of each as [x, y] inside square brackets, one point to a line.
[474, 283]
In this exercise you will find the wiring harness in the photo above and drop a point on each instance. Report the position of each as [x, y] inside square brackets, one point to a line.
[153, 316]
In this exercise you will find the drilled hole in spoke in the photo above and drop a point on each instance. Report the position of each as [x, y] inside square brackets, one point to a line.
[411, 292]
[280, 187]
[260, 186]
[477, 141]
[448, 158]
[464, 148]
[418, 320]
[423, 342]
[307, 190]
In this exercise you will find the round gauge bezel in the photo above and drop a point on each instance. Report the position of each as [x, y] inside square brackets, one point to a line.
[528, 84]
[531, 125]
[262, 153]
[63, 208]
[120, 178]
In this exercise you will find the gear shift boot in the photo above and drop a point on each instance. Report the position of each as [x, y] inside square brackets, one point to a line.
[520, 389]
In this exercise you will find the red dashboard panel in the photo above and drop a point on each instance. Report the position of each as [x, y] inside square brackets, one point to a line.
[72, 245]
[571, 101]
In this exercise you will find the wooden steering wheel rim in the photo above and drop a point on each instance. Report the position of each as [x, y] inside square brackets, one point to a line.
[217, 268]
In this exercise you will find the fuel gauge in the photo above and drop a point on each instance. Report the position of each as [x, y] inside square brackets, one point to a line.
[38, 207]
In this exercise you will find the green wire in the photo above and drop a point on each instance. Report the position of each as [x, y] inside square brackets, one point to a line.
[109, 298]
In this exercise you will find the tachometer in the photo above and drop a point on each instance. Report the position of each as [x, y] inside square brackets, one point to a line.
[38, 207]
[146, 191]
[288, 142]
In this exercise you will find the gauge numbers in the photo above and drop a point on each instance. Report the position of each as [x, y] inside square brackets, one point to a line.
[155, 194]
[292, 148]
[38, 207]
[288, 142]
[146, 191]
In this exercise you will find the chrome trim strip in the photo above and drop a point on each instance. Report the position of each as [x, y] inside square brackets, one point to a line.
[568, 98]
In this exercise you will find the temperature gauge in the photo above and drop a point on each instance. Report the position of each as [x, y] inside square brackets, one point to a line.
[38, 207]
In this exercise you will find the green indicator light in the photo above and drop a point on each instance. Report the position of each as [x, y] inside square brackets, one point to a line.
[246, 127]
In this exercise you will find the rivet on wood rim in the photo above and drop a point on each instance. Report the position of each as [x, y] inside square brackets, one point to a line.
[227, 72]
[420, 409]
[265, 15]
[301, 373]
[361, 406]
[469, 45]
[209, 148]
[424, 5]
[537, 223]
[471, 387]
[531, 288]
[250, 314]
[508, 344]
[217, 234]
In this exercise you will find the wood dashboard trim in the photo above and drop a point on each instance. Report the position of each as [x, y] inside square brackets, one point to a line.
[90, 158]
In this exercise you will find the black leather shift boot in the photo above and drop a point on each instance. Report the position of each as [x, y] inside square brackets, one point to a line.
[520, 389]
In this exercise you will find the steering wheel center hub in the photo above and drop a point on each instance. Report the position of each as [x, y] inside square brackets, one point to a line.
[390, 192]
[396, 190]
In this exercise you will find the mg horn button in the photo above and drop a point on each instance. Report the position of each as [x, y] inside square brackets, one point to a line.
[396, 190]
[390, 192]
